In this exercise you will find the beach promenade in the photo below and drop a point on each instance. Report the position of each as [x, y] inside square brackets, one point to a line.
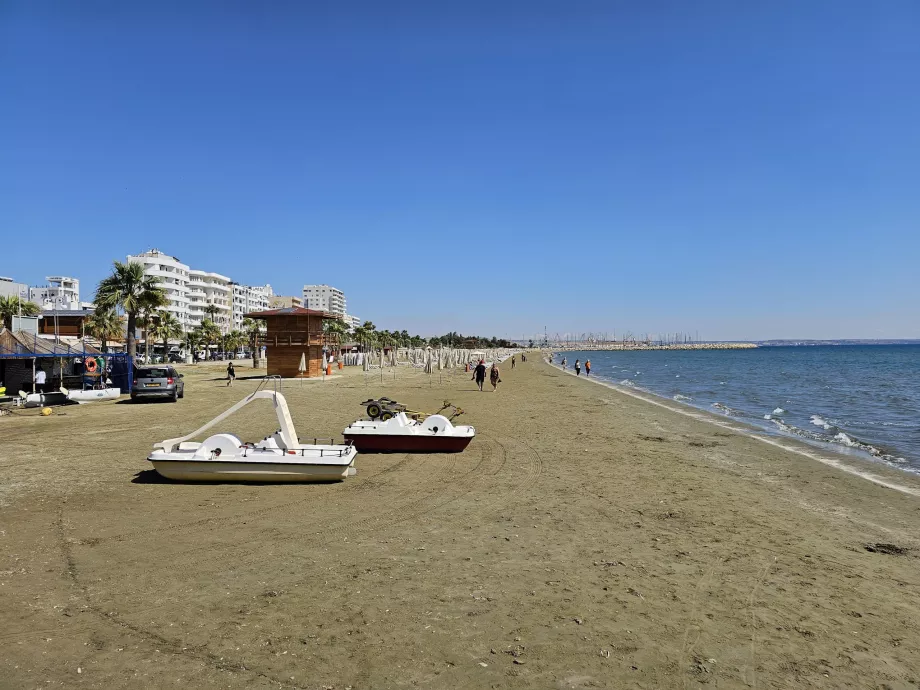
[585, 539]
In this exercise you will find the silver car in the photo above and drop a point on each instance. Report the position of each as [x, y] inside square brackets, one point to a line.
[157, 382]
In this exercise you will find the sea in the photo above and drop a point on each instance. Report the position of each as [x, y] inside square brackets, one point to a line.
[855, 399]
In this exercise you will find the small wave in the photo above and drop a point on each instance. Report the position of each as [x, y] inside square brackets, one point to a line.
[821, 422]
[682, 398]
[768, 416]
[779, 410]
[845, 440]
[627, 382]
[840, 438]
[725, 409]
[796, 431]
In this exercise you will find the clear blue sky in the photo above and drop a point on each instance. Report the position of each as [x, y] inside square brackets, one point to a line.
[745, 170]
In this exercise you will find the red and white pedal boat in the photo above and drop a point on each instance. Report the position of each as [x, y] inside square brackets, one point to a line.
[434, 434]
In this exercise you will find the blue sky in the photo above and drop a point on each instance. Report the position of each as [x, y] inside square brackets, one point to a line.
[745, 170]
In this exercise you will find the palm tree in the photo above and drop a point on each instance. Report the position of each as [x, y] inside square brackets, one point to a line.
[164, 326]
[366, 334]
[14, 306]
[333, 330]
[208, 333]
[151, 304]
[129, 289]
[193, 340]
[211, 310]
[386, 338]
[233, 341]
[105, 324]
[253, 331]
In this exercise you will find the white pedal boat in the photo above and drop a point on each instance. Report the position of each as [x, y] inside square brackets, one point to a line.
[434, 434]
[276, 458]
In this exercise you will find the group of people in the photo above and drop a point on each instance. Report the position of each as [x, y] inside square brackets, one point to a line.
[479, 375]
[495, 378]
[564, 365]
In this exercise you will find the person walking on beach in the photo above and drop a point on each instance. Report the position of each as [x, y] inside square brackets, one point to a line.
[587, 367]
[512, 361]
[40, 378]
[494, 377]
[577, 368]
[479, 374]
[231, 374]
[563, 362]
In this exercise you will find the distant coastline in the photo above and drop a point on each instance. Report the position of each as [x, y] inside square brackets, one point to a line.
[582, 347]
[851, 341]
[726, 345]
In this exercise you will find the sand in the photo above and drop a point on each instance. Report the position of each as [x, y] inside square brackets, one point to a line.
[585, 539]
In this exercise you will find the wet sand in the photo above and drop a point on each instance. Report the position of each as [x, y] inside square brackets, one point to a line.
[585, 539]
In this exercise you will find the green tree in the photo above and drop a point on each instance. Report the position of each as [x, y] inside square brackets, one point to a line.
[151, 305]
[14, 306]
[164, 326]
[207, 334]
[105, 325]
[334, 331]
[233, 341]
[366, 334]
[253, 331]
[128, 289]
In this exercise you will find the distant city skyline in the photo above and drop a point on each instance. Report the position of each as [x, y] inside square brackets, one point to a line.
[743, 171]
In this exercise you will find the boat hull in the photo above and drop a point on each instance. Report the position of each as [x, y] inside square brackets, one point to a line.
[406, 443]
[88, 396]
[216, 471]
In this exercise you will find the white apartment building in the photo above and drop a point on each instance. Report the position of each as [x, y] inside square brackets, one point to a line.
[204, 290]
[249, 298]
[173, 276]
[10, 288]
[61, 292]
[324, 298]
[191, 292]
[351, 321]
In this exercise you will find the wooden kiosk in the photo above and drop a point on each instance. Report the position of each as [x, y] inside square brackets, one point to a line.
[293, 333]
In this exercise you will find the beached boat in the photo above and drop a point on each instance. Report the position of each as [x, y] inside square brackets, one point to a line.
[276, 458]
[399, 433]
[89, 395]
[42, 399]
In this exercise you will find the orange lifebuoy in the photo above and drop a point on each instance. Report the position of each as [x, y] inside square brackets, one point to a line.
[91, 365]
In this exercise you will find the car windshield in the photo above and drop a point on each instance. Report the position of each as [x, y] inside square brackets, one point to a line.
[159, 373]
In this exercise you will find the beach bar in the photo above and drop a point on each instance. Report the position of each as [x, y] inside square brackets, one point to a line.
[293, 336]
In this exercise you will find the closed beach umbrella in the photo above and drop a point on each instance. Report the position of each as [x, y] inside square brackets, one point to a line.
[302, 367]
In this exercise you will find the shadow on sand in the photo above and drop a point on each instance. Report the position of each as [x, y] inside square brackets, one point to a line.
[154, 477]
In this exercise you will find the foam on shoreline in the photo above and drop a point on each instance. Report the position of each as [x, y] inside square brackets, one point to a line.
[836, 462]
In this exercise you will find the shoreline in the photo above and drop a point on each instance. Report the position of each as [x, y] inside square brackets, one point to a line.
[863, 467]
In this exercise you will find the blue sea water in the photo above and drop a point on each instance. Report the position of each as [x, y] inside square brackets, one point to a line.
[860, 398]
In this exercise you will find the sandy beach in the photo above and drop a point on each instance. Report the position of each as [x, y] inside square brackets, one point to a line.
[586, 539]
